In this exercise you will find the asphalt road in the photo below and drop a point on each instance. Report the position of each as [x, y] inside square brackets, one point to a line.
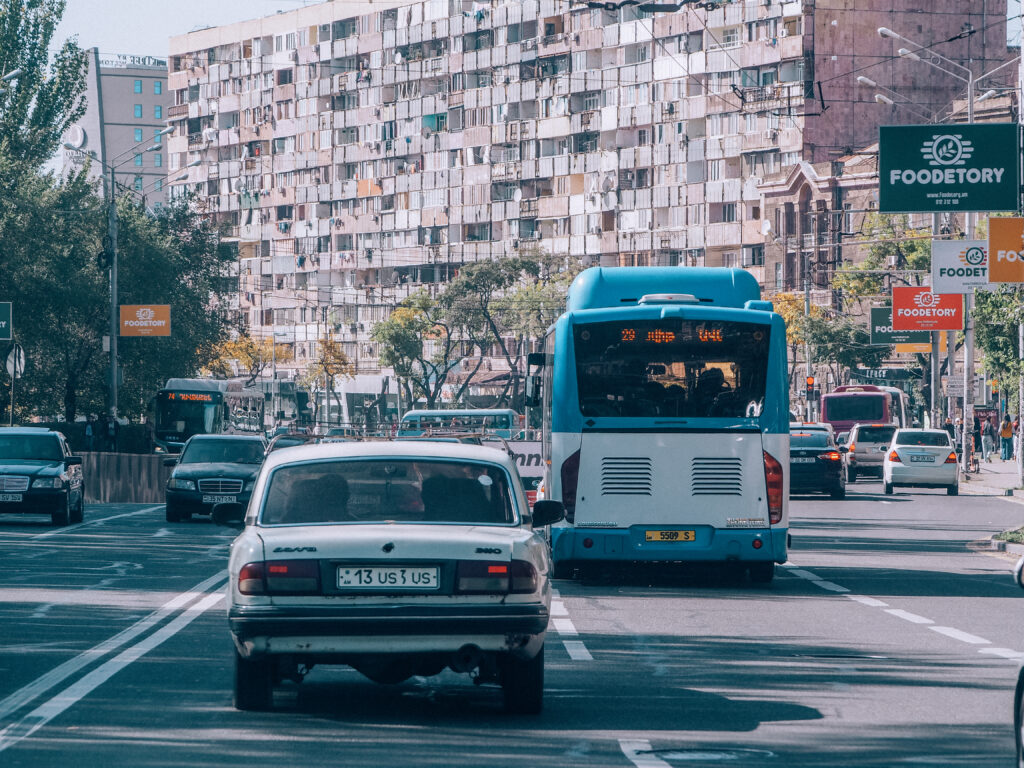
[888, 640]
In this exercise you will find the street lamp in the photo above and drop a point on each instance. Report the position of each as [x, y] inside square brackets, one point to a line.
[112, 237]
[12, 75]
[192, 164]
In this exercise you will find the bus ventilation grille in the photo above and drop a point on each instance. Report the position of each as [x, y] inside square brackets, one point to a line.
[716, 477]
[626, 476]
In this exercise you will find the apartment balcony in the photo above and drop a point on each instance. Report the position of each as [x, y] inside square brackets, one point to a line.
[505, 171]
[177, 111]
[768, 97]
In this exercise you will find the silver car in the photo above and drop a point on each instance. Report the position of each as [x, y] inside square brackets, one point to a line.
[863, 443]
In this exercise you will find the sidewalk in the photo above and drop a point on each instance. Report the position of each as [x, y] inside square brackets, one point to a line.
[996, 478]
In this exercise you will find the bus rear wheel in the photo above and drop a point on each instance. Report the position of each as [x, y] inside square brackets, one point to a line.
[761, 573]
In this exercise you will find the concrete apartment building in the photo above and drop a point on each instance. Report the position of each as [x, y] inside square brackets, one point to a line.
[359, 152]
[126, 106]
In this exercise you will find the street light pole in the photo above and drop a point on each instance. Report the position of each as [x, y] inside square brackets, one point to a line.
[112, 235]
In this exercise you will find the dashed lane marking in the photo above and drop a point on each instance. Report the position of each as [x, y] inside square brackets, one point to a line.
[87, 523]
[640, 754]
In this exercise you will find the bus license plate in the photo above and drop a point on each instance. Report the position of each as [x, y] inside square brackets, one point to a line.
[927, 459]
[670, 535]
[10, 497]
[388, 576]
[219, 499]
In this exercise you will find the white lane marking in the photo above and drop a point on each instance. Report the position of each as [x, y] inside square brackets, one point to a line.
[1005, 653]
[558, 608]
[564, 627]
[577, 650]
[638, 752]
[161, 533]
[59, 674]
[830, 586]
[869, 601]
[965, 637]
[912, 617]
[41, 611]
[805, 574]
[45, 712]
[87, 523]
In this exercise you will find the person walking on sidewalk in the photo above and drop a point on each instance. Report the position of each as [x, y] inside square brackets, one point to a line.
[988, 435]
[1006, 439]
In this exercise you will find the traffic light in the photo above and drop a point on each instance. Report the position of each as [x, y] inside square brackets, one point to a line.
[810, 387]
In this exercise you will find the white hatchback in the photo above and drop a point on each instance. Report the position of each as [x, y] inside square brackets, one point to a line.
[920, 458]
[395, 558]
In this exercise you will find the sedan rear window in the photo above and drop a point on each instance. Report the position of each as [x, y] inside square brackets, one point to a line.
[934, 439]
[875, 434]
[810, 440]
[388, 490]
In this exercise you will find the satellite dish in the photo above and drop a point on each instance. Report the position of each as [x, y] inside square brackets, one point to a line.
[425, 132]
[517, 195]
[611, 200]
[76, 136]
[398, 57]
[766, 227]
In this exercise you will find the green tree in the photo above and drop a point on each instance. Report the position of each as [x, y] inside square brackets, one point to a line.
[892, 244]
[45, 98]
[843, 344]
[996, 317]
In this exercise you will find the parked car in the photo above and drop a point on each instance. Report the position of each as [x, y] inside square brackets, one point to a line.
[395, 558]
[816, 464]
[39, 475]
[920, 458]
[212, 469]
[863, 456]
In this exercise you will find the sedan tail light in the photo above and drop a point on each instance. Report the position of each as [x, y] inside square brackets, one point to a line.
[951, 459]
[773, 484]
[484, 577]
[895, 457]
[830, 456]
[280, 577]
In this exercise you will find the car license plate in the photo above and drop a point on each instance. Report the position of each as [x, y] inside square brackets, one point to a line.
[802, 460]
[388, 576]
[670, 535]
[10, 497]
[207, 499]
[925, 459]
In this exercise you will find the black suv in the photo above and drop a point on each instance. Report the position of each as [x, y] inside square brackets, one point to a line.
[212, 469]
[38, 474]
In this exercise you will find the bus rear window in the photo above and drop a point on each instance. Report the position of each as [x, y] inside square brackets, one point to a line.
[671, 367]
[854, 407]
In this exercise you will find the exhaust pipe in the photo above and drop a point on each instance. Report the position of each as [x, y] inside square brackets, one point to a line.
[467, 658]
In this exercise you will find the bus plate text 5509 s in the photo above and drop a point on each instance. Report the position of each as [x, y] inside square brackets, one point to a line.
[670, 535]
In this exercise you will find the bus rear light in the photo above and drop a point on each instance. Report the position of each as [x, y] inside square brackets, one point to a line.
[951, 459]
[481, 577]
[895, 457]
[773, 483]
[570, 481]
[757, 544]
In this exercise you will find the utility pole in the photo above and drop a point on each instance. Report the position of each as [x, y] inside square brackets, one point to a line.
[112, 235]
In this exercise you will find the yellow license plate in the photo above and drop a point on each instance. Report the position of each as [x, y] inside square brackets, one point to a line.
[670, 535]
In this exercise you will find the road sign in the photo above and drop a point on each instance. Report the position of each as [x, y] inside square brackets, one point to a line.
[6, 321]
[145, 320]
[937, 168]
[959, 266]
[16, 361]
[1006, 249]
[918, 309]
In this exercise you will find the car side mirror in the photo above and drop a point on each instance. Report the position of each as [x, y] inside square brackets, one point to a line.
[547, 512]
[230, 515]
[73, 461]
[883, 448]
[533, 391]
[843, 449]
[170, 461]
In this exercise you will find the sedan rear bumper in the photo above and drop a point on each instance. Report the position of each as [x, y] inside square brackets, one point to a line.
[938, 476]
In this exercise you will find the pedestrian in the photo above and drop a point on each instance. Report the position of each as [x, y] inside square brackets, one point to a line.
[112, 427]
[988, 439]
[90, 434]
[950, 428]
[1006, 439]
[976, 433]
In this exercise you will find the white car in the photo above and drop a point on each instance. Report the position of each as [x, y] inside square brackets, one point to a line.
[395, 558]
[920, 458]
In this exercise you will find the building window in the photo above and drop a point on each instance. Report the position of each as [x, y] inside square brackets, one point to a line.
[138, 86]
[159, 186]
[138, 183]
[158, 112]
[753, 256]
[729, 213]
[778, 274]
[138, 110]
[729, 260]
[714, 170]
[158, 87]
[138, 159]
[138, 135]
[158, 160]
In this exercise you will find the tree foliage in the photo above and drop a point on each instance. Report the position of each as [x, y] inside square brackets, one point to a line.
[843, 344]
[996, 317]
[249, 356]
[892, 244]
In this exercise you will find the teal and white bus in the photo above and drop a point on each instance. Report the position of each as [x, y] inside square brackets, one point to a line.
[502, 422]
[665, 420]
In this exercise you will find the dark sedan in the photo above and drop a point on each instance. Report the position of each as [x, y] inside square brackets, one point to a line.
[212, 469]
[816, 464]
[39, 475]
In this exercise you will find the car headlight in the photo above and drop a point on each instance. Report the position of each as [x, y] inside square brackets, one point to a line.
[48, 482]
[181, 484]
[248, 485]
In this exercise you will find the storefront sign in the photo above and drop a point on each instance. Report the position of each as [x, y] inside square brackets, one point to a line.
[959, 266]
[918, 309]
[145, 320]
[1006, 249]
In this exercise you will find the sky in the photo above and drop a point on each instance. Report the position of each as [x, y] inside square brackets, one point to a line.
[143, 27]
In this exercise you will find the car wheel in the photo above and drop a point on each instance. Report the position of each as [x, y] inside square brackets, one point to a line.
[839, 492]
[851, 476]
[953, 490]
[254, 683]
[762, 573]
[62, 516]
[887, 488]
[563, 570]
[79, 513]
[522, 681]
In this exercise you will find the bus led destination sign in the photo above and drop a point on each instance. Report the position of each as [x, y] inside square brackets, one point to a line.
[193, 397]
[932, 168]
